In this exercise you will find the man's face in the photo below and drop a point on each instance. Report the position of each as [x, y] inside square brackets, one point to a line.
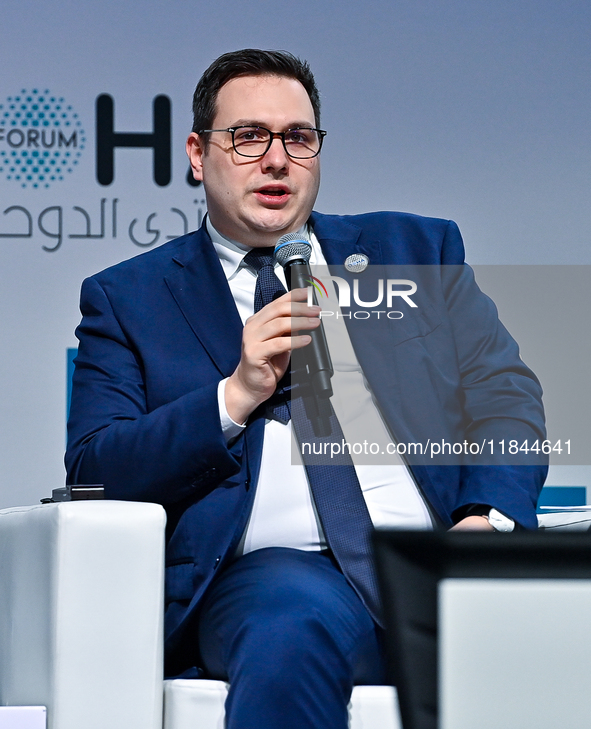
[257, 200]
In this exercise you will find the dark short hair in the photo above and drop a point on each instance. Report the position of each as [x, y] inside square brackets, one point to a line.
[249, 62]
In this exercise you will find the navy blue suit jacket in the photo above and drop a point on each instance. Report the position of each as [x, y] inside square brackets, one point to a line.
[161, 330]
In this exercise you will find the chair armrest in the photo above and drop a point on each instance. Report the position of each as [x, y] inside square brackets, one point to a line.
[81, 612]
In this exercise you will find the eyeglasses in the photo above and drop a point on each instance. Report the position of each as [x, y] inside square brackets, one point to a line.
[302, 143]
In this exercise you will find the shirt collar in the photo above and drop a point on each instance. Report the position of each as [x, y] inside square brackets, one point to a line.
[231, 253]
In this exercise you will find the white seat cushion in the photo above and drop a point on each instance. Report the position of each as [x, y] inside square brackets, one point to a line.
[199, 704]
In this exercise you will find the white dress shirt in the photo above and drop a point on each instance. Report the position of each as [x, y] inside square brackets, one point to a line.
[283, 513]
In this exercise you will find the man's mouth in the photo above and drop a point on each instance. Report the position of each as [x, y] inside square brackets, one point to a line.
[273, 192]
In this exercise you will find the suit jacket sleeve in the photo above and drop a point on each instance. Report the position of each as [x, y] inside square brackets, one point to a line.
[454, 372]
[139, 452]
[502, 398]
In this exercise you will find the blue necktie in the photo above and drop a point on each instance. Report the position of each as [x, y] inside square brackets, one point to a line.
[268, 288]
[336, 490]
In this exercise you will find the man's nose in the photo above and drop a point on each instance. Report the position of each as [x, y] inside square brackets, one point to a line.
[276, 156]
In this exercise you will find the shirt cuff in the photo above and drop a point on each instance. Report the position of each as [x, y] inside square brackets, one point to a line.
[230, 428]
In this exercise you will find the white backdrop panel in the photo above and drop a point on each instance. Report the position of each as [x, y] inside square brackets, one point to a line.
[463, 109]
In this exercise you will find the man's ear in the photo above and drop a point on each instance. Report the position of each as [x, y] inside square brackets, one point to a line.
[195, 153]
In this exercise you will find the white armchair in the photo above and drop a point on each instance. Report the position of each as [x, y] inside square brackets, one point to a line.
[81, 614]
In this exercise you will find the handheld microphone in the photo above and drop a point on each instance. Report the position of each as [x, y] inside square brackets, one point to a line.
[293, 253]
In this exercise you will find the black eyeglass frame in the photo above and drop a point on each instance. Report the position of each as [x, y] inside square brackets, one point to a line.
[321, 134]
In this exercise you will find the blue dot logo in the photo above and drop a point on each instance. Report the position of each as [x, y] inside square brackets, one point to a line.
[41, 138]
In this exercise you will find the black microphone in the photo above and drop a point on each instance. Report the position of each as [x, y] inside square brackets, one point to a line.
[293, 253]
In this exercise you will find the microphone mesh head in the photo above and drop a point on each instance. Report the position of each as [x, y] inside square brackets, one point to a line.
[292, 246]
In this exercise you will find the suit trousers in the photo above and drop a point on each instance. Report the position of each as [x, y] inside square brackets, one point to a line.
[292, 637]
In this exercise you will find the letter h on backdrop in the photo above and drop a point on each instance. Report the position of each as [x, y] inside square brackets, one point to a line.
[107, 139]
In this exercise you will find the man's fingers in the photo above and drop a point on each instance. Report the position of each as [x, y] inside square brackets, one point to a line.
[295, 295]
[268, 339]
[300, 340]
[292, 303]
[284, 327]
[281, 310]
[260, 351]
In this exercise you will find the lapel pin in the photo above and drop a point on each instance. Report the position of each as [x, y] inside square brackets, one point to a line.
[357, 263]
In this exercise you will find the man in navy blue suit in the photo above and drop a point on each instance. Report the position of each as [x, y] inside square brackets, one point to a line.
[180, 357]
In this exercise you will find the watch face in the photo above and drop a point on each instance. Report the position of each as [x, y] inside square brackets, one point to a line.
[499, 522]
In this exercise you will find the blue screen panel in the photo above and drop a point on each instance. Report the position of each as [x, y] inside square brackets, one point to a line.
[562, 496]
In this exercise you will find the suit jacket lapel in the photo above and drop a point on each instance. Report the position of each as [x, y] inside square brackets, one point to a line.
[371, 339]
[201, 291]
[340, 239]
